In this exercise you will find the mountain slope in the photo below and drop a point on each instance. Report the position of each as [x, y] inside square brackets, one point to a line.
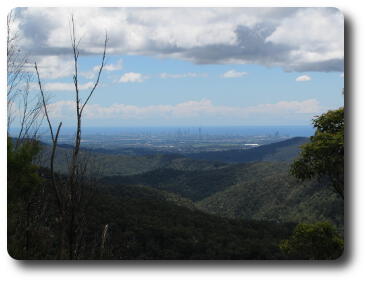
[197, 185]
[277, 197]
[142, 227]
[251, 190]
[260, 190]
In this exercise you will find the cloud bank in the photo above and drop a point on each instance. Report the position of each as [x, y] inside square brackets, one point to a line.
[189, 111]
[295, 39]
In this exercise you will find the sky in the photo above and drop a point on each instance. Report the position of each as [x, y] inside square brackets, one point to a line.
[189, 66]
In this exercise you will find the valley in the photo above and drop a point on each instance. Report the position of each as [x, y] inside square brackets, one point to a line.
[249, 184]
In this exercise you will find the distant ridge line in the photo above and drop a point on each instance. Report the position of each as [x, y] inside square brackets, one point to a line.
[285, 150]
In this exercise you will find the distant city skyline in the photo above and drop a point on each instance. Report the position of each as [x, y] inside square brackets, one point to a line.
[190, 66]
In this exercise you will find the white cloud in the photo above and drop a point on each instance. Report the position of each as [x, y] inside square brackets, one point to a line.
[57, 86]
[111, 67]
[185, 75]
[62, 110]
[296, 39]
[88, 74]
[108, 67]
[54, 67]
[132, 78]
[233, 74]
[314, 35]
[342, 75]
[309, 106]
[189, 110]
[303, 78]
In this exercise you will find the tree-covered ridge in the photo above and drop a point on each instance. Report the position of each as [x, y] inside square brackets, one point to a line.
[134, 222]
[262, 190]
[231, 211]
[253, 190]
[277, 197]
[147, 229]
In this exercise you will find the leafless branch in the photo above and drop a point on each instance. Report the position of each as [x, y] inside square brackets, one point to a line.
[99, 73]
[54, 142]
[44, 103]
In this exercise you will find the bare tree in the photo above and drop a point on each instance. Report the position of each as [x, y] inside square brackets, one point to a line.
[24, 117]
[23, 107]
[72, 196]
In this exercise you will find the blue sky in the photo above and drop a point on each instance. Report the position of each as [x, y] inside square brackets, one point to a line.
[221, 67]
[260, 85]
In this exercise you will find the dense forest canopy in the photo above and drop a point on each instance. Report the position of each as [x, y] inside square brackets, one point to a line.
[169, 213]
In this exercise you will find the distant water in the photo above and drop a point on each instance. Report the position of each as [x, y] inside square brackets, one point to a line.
[291, 131]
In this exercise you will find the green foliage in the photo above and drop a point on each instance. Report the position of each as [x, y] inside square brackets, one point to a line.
[264, 190]
[163, 213]
[194, 185]
[323, 157]
[143, 225]
[313, 241]
[23, 183]
[22, 173]
[261, 191]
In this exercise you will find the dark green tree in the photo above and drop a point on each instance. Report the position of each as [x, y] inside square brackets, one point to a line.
[22, 173]
[313, 241]
[323, 156]
[23, 183]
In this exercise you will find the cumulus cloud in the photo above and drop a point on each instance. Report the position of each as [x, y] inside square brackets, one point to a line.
[189, 110]
[185, 75]
[303, 78]
[132, 78]
[233, 74]
[54, 67]
[316, 39]
[296, 39]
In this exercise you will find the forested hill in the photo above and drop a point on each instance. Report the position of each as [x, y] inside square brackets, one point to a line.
[280, 151]
[167, 206]
[256, 191]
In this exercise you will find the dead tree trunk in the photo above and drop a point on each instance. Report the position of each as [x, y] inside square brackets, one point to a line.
[71, 200]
